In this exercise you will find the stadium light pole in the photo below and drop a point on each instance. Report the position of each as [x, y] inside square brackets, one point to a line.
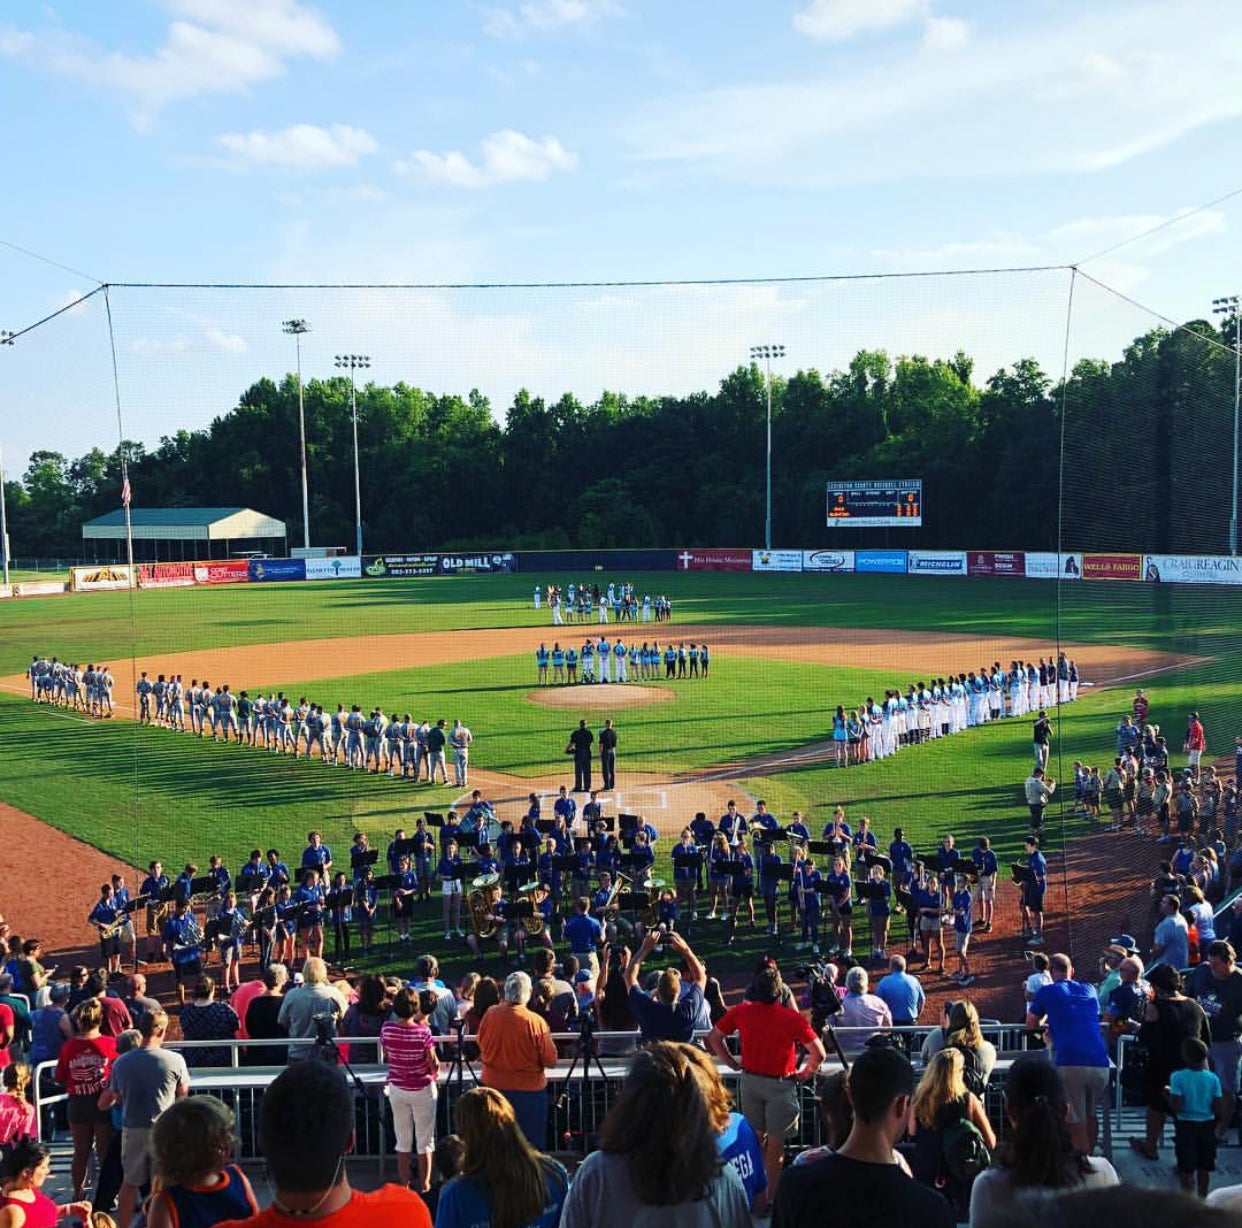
[355, 362]
[767, 353]
[296, 328]
[1230, 305]
[6, 338]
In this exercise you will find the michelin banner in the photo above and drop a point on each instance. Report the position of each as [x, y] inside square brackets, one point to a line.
[936, 562]
[1047, 566]
[1192, 569]
[776, 560]
[881, 562]
[339, 567]
[828, 560]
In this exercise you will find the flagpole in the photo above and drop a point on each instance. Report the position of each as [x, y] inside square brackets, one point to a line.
[126, 500]
[4, 523]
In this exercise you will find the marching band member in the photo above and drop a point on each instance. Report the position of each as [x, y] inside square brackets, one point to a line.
[230, 926]
[342, 915]
[317, 855]
[286, 923]
[450, 890]
[424, 849]
[926, 899]
[403, 894]
[806, 882]
[838, 886]
[183, 944]
[879, 908]
[366, 900]
[719, 876]
[685, 875]
[769, 886]
[278, 874]
[743, 886]
[309, 898]
[104, 918]
[263, 925]
[155, 883]
[122, 899]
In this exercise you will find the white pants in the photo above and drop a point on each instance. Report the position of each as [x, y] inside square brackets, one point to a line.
[603, 666]
[557, 620]
[414, 1119]
[622, 671]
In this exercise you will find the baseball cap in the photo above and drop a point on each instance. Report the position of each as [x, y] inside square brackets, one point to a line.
[582, 977]
[299, 979]
[60, 991]
[1126, 943]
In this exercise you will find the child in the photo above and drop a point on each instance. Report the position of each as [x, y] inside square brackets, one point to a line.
[230, 926]
[447, 1161]
[192, 1181]
[17, 1114]
[1194, 1094]
[1081, 776]
[806, 883]
[1093, 791]
[963, 906]
[1039, 977]
[987, 865]
[878, 910]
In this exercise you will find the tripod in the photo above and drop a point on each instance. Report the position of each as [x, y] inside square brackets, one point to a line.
[584, 1055]
[461, 1063]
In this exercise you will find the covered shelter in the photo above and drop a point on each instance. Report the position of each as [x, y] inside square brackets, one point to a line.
[177, 534]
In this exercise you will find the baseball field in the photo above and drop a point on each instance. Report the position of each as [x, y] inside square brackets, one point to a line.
[785, 650]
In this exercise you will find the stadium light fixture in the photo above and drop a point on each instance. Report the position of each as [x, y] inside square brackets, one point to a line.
[355, 362]
[296, 328]
[1230, 305]
[767, 353]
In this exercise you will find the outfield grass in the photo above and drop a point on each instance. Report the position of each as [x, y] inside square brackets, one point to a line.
[140, 793]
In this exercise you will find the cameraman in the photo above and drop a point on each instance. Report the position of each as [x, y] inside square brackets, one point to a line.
[672, 1013]
[301, 1007]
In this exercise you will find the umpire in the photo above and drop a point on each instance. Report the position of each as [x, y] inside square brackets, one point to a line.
[580, 742]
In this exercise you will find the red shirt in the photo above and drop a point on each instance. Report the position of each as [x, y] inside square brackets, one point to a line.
[8, 1022]
[1194, 736]
[84, 1065]
[390, 1206]
[769, 1034]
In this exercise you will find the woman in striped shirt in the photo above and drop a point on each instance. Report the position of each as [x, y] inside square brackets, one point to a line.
[412, 1090]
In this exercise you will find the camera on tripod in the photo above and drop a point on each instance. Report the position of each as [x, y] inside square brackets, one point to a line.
[823, 989]
[325, 1029]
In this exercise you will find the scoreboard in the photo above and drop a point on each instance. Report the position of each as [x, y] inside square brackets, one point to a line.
[880, 504]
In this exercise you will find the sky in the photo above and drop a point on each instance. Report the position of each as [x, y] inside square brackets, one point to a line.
[570, 141]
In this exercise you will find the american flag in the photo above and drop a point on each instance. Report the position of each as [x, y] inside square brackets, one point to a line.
[126, 493]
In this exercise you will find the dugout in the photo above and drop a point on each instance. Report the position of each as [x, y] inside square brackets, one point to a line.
[178, 534]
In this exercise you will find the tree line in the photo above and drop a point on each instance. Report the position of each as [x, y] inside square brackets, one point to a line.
[1143, 462]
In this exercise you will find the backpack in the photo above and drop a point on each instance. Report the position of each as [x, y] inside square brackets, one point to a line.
[963, 1153]
[972, 1072]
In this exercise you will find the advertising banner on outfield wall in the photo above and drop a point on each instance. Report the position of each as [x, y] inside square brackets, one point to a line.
[995, 563]
[1112, 566]
[263, 571]
[96, 579]
[166, 575]
[339, 567]
[464, 564]
[1192, 569]
[714, 560]
[226, 571]
[39, 588]
[1048, 566]
[881, 562]
[827, 560]
[936, 562]
[401, 566]
[776, 560]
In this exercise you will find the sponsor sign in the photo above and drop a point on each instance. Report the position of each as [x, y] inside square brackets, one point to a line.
[1042, 565]
[94, 579]
[400, 565]
[995, 563]
[39, 588]
[339, 567]
[6, 590]
[263, 571]
[1112, 566]
[226, 571]
[936, 562]
[776, 560]
[1192, 569]
[827, 560]
[457, 564]
[166, 575]
[885, 562]
[714, 560]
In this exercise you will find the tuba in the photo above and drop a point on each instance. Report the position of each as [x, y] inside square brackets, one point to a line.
[485, 891]
[620, 883]
[534, 924]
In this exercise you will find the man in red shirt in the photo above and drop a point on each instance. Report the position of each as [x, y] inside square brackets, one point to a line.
[1140, 706]
[306, 1129]
[770, 1034]
[1196, 743]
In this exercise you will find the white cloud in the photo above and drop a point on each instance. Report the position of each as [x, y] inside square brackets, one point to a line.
[304, 146]
[212, 46]
[946, 33]
[543, 15]
[230, 343]
[1016, 103]
[835, 21]
[505, 157]
[153, 346]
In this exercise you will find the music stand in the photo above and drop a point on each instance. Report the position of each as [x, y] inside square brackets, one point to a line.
[567, 863]
[629, 824]
[691, 860]
[545, 826]
[833, 848]
[382, 883]
[529, 840]
[514, 877]
[869, 857]
[359, 859]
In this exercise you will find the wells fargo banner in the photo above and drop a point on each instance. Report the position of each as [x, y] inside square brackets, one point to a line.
[1112, 566]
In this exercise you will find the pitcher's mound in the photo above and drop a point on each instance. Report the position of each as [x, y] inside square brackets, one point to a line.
[599, 695]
